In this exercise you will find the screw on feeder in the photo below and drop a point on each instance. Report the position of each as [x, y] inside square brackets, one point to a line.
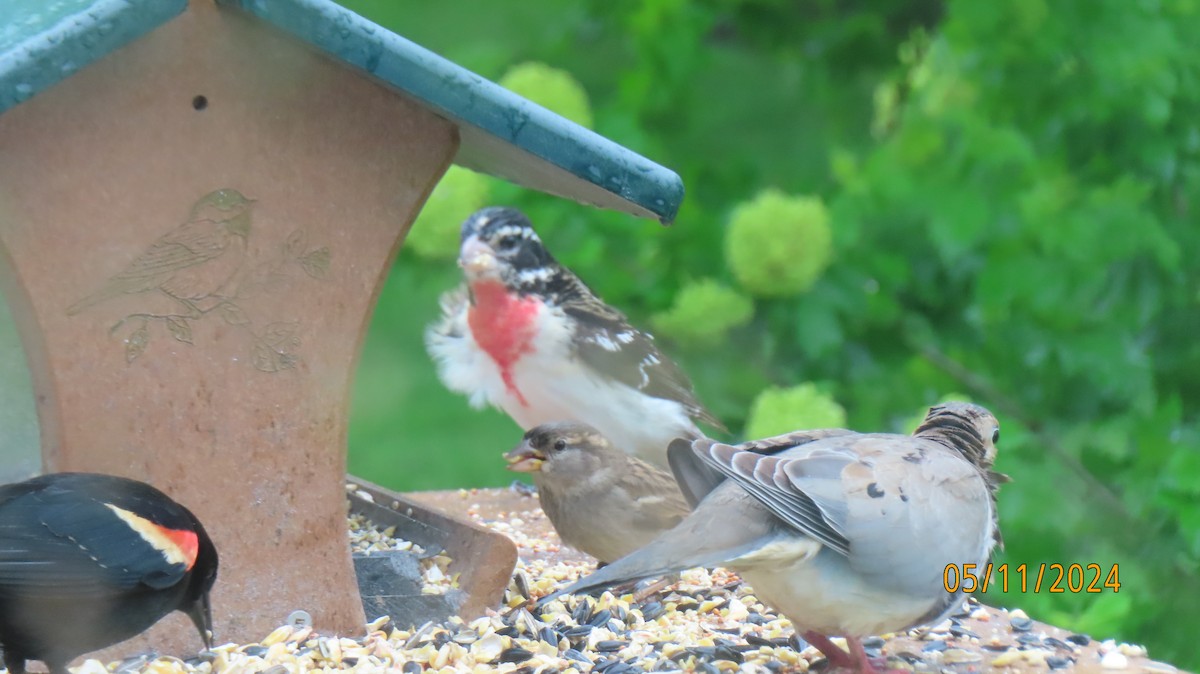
[299, 618]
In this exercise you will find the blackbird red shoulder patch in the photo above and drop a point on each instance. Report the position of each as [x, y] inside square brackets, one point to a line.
[178, 546]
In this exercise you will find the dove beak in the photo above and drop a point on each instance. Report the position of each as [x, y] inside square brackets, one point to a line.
[476, 257]
[525, 459]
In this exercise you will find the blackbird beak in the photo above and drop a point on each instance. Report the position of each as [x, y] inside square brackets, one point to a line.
[201, 614]
[525, 459]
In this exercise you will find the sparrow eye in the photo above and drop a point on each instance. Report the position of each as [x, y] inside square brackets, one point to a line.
[996, 436]
[560, 445]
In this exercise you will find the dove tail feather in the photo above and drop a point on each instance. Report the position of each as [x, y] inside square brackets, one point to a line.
[649, 562]
[696, 479]
[622, 571]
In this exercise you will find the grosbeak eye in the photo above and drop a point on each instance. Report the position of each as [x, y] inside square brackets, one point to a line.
[996, 436]
[560, 445]
[508, 243]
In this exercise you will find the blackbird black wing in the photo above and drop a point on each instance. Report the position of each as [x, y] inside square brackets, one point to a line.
[65, 537]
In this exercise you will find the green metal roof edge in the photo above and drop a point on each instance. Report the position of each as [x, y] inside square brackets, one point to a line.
[47, 56]
[468, 99]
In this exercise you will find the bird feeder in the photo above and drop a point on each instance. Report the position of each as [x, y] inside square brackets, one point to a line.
[199, 203]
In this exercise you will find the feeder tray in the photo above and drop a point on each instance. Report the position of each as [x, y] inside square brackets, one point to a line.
[390, 582]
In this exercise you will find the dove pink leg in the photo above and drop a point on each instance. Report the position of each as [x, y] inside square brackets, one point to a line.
[836, 656]
[866, 664]
[856, 660]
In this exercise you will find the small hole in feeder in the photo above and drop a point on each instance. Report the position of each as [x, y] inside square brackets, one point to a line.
[199, 102]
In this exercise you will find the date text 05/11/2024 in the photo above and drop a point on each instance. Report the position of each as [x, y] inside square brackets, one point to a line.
[1053, 578]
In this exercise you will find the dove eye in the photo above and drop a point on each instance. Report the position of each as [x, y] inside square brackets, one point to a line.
[560, 445]
[996, 436]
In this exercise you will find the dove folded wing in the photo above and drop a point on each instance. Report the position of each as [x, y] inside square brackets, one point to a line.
[697, 478]
[780, 443]
[802, 491]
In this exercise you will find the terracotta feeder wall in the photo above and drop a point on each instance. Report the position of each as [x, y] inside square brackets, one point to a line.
[207, 347]
[193, 232]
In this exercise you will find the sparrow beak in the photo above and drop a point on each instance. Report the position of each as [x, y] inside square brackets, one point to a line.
[201, 614]
[476, 257]
[524, 459]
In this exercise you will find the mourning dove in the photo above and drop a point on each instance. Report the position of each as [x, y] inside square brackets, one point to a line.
[848, 534]
[600, 500]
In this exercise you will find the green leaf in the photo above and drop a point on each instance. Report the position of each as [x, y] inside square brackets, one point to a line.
[779, 410]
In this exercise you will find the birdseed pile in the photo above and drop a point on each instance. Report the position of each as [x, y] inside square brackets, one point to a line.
[708, 622]
[367, 538]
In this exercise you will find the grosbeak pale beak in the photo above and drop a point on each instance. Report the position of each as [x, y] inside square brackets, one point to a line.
[525, 335]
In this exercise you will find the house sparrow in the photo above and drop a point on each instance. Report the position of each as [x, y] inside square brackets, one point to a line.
[527, 336]
[600, 500]
[847, 535]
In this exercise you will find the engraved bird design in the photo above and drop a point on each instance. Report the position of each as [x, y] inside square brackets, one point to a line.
[192, 262]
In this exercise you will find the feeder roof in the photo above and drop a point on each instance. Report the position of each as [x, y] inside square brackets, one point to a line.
[501, 133]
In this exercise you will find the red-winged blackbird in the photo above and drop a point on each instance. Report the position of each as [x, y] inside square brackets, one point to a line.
[89, 560]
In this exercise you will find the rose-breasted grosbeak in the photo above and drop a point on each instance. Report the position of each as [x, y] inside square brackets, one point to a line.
[89, 560]
[527, 336]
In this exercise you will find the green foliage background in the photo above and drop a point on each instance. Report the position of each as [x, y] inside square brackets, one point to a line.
[1009, 188]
